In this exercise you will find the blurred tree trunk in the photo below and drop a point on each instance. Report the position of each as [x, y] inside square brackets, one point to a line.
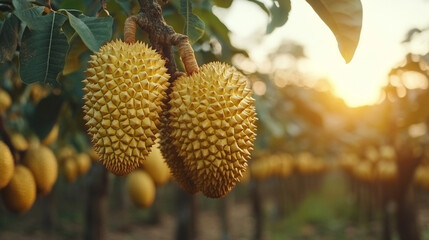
[187, 213]
[48, 205]
[257, 210]
[406, 214]
[95, 216]
[224, 204]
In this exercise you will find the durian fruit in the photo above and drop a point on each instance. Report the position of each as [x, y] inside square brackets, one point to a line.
[42, 163]
[65, 152]
[175, 162]
[212, 118]
[6, 165]
[156, 167]
[70, 169]
[52, 136]
[20, 194]
[5, 101]
[19, 141]
[141, 188]
[83, 162]
[124, 89]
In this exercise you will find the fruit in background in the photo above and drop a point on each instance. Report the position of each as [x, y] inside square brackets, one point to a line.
[124, 89]
[19, 195]
[19, 141]
[52, 136]
[5, 101]
[156, 167]
[6, 165]
[141, 188]
[83, 162]
[42, 163]
[70, 169]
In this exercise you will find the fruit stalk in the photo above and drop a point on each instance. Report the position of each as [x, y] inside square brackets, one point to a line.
[130, 28]
[162, 37]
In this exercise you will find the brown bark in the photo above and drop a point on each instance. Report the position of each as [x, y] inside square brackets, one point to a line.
[187, 213]
[95, 215]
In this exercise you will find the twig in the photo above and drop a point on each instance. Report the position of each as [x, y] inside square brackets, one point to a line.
[162, 37]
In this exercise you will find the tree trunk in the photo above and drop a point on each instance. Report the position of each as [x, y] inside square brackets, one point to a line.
[224, 204]
[186, 216]
[48, 204]
[257, 210]
[95, 225]
[407, 224]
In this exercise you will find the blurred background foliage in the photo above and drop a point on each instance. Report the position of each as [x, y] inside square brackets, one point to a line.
[320, 169]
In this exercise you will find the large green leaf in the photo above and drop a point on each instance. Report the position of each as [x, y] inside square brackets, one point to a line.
[279, 14]
[9, 33]
[344, 18]
[261, 5]
[43, 50]
[101, 28]
[222, 3]
[20, 5]
[46, 114]
[94, 37]
[31, 16]
[194, 26]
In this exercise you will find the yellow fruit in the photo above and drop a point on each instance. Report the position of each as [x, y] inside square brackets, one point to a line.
[42, 163]
[19, 141]
[37, 93]
[141, 188]
[65, 152]
[94, 155]
[156, 167]
[83, 162]
[70, 169]
[177, 167]
[212, 118]
[124, 90]
[20, 194]
[52, 136]
[5, 101]
[6, 165]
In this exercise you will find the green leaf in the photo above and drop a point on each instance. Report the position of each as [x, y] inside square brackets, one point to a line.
[125, 5]
[261, 5]
[20, 5]
[279, 14]
[101, 28]
[31, 16]
[222, 3]
[9, 34]
[344, 18]
[43, 50]
[84, 32]
[194, 26]
[45, 115]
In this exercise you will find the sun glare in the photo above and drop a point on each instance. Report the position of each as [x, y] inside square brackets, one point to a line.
[357, 83]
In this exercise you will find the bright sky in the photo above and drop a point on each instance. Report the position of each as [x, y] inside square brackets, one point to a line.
[385, 24]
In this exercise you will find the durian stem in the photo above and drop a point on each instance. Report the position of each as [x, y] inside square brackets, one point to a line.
[186, 53]
[130, 28]
[7, 140]
[162, 37]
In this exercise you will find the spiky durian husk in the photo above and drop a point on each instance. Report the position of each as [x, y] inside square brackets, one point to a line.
[212, 118]
[173, 160]
[124, 90]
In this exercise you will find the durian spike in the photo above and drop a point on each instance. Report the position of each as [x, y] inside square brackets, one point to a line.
[130, 27]
[186, 53]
